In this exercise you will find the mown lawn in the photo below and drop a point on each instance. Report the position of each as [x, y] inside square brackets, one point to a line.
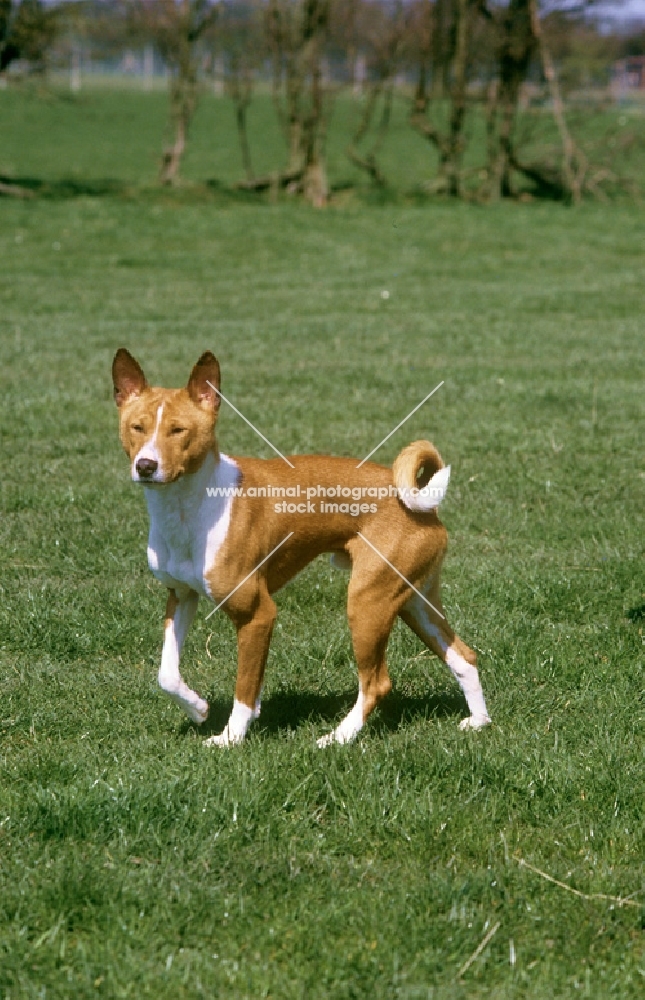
[134, 862]
[103, 141]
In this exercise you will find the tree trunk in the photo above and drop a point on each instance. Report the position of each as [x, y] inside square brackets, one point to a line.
[297, 33]
[171, 160]
[515, 52]
[450, 144]
[573, 160]
[315, 186]
[183, 103]
[15, 191]
[450, 166]
[295, 144]
[367, 161]
[295, 81]
[500, 154]
[240, 117]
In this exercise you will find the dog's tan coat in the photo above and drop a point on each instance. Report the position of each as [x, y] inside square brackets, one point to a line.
[182, 423]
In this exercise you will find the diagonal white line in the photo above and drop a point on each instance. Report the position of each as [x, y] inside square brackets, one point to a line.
[410, 414]
[252, 426]
[404, 578]
[254, 570]
[478, 950]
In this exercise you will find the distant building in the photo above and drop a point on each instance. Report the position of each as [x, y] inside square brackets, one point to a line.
[629, 74]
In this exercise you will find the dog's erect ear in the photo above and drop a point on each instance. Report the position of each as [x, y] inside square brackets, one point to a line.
[205, 376]
[127, 376]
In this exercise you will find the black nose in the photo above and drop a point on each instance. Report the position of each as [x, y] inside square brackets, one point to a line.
[147, 467]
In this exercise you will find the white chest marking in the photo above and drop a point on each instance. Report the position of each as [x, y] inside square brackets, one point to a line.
[188, 526]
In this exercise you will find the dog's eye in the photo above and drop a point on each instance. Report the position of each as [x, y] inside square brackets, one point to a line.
[177, 430]
[138, 428]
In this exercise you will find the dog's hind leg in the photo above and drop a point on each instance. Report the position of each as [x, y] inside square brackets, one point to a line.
[179, 616]
[374, 597]
[436, 633]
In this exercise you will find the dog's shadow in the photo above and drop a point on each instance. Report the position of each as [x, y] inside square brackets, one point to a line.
[285, 710]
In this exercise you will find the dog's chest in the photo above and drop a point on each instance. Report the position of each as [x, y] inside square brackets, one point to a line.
[189, 522]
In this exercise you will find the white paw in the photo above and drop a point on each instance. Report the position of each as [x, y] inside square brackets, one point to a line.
[224, 739]
[198, 713]
[349, 728]
[474, 722]
[337, 736]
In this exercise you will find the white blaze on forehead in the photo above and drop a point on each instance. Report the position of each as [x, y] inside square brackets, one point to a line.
[150, 449]
[156, 431]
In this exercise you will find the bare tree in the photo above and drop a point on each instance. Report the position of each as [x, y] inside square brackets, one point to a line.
[521, 41]
[574, 162]
[445, 48]
[515, 43]
[461, 44]
[382, 31]
[240, 37]
[239, 85]
[176, 28]
[346, 36]
[27, 30]
[296, 32]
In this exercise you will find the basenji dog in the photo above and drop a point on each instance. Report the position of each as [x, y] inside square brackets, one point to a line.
[226, 529]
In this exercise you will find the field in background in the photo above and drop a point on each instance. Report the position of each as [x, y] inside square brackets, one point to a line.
[133, 862]
[103, 135]
[108, 140]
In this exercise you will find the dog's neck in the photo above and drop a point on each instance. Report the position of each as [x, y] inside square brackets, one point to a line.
[186, 494]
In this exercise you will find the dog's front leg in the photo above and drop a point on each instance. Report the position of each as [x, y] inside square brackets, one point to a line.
[179, 615]
[254, 629]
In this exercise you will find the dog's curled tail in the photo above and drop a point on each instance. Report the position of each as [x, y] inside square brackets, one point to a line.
[426, 491]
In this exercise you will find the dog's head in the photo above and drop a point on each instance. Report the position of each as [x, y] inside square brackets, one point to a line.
[166, 432]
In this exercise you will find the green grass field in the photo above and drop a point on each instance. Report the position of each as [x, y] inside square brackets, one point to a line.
[104, 141]
[134, 862]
